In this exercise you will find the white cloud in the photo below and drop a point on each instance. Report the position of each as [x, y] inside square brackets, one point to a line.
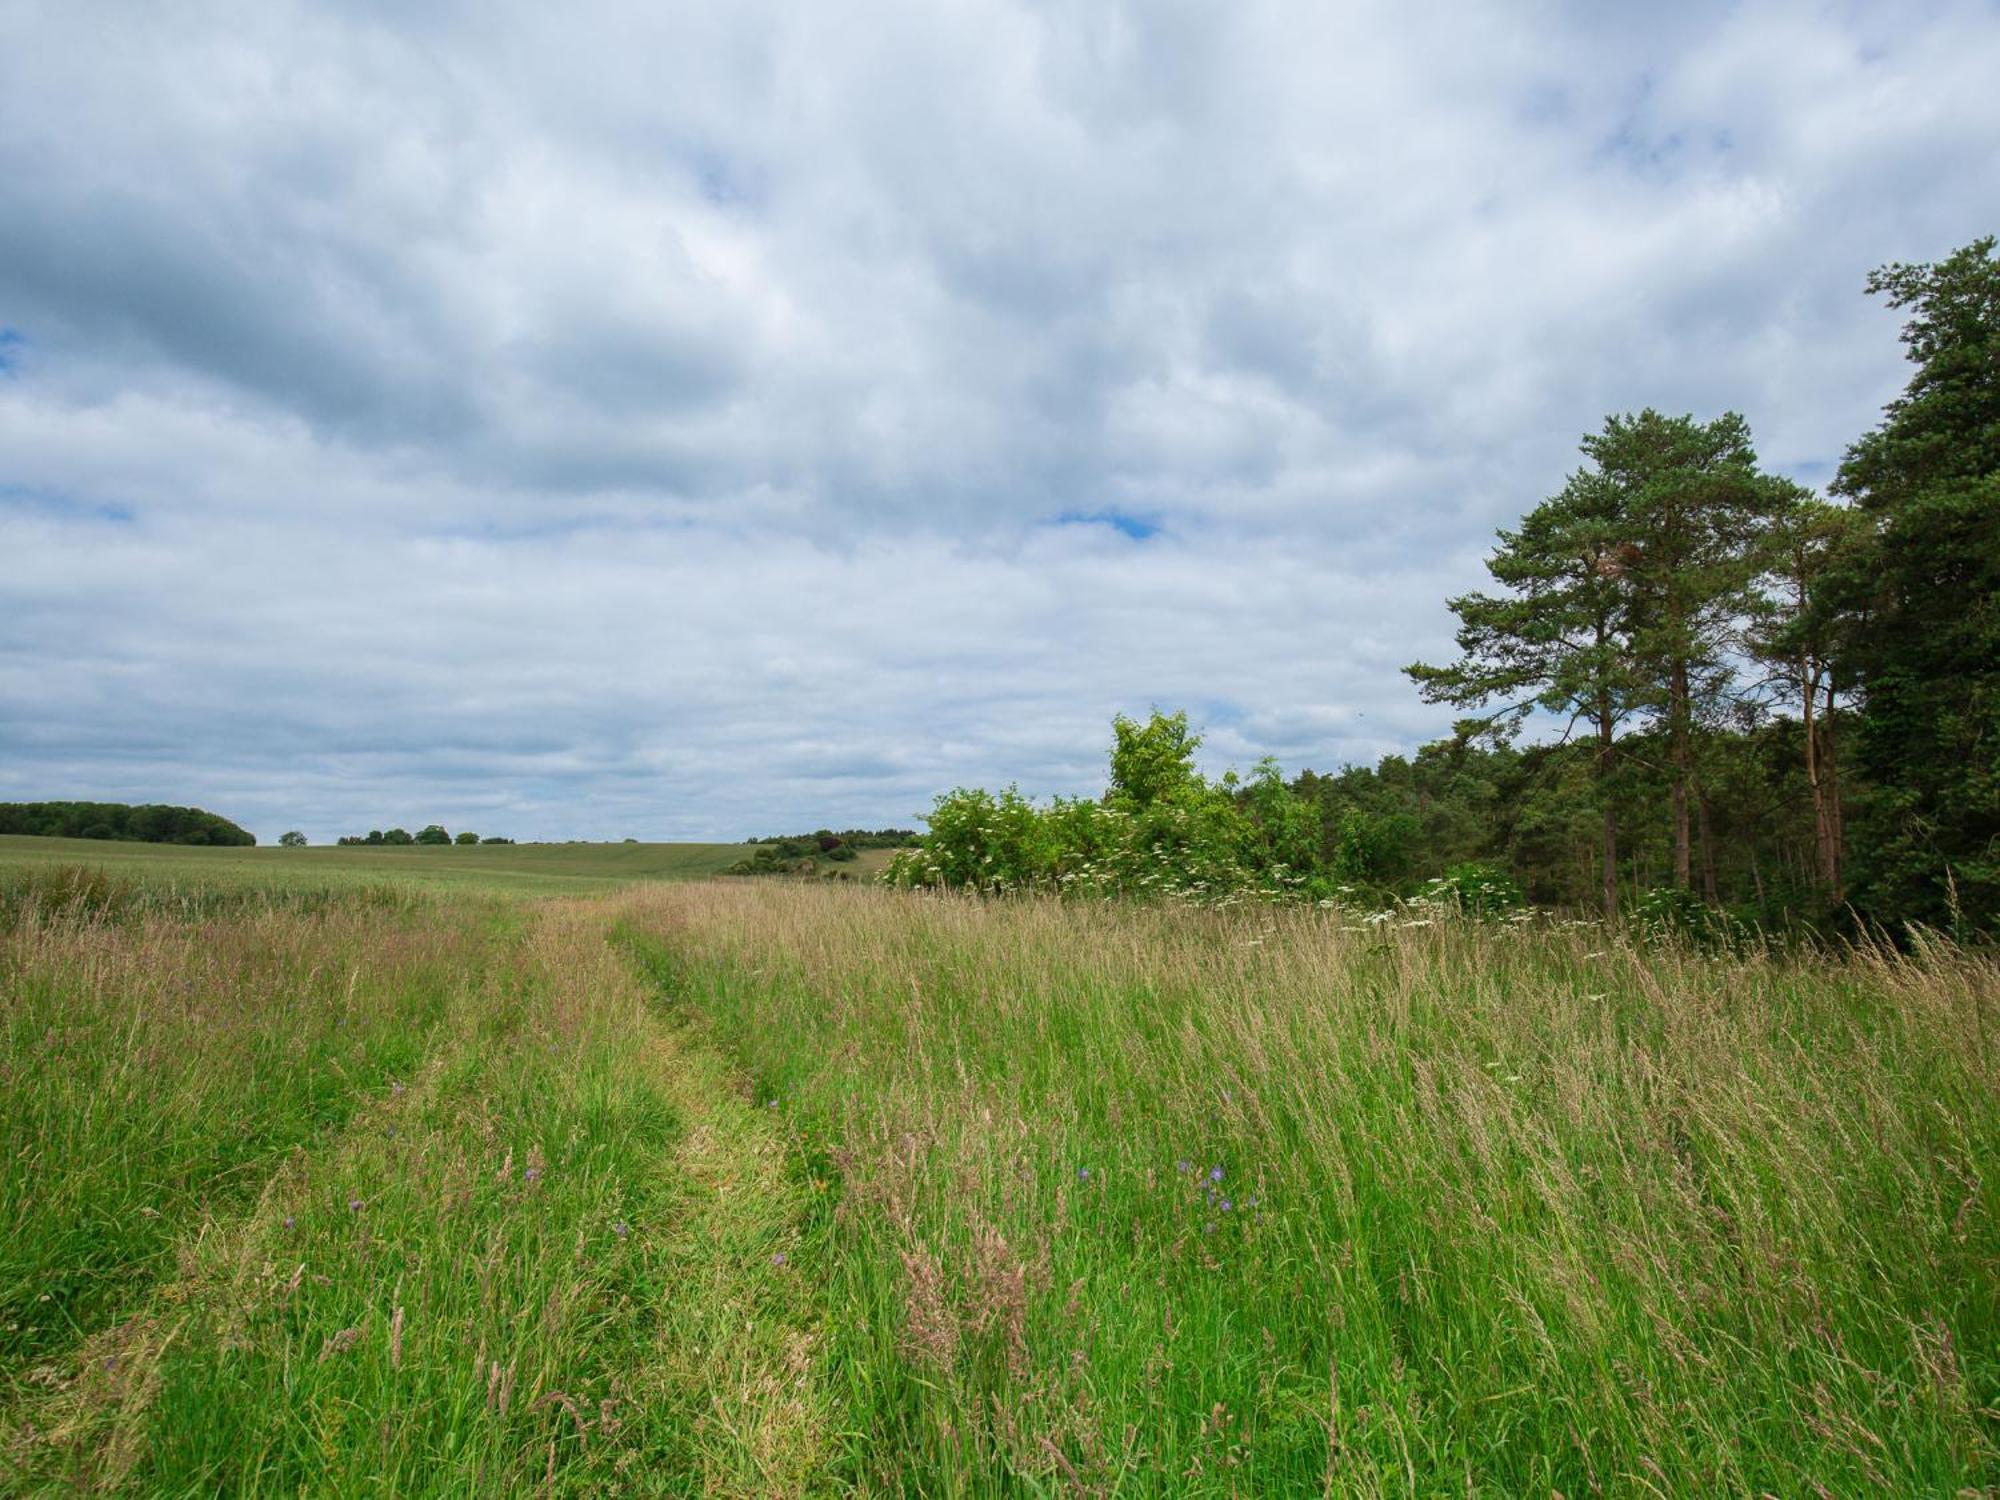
[609, 419]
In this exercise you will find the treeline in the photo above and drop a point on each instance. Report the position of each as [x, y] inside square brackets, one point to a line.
[825, 840]
[434, 833]
[802, 854]
[150, 823]
[1765, 703]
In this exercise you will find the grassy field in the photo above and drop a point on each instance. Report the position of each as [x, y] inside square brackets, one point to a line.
[524, 869]
[757, 1187]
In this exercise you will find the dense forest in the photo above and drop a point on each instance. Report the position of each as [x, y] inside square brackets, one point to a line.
[150, 824]
[1697, 692]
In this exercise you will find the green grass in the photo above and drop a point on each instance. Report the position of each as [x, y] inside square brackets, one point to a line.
[1160, 1201]
[761, 1187]
[518, 869]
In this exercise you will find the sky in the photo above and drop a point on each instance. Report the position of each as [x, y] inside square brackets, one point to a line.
[704, 420]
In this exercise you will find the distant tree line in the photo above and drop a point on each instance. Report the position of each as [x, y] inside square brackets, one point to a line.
[801, 854]
[433, 833]
[1769, 706]
[826, 840]
[151, 823]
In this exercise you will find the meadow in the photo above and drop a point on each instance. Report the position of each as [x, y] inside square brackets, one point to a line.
[331, 1180]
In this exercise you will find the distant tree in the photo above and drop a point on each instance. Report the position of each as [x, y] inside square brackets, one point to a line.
[292, 840]
[1924, 600]
[494, 838]
[434, 833]
[394, 836]
[466, 837]
[1558, 640]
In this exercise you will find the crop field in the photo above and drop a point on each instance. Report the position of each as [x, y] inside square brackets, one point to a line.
[520, 1177]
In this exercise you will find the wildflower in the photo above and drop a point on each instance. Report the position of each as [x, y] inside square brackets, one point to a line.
[290, 1220]
[1083, 1174]
[396, 1090]
[772, 1105]
[621, 1229]
[1227, 1205]
[1215, 1174]
[531, 1174]
[778, 1259]
[1182, 1165]
[355, 1205]
[1209, 1227]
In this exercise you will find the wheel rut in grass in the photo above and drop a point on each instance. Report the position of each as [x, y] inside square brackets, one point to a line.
[564, 1258]
[741, 1349]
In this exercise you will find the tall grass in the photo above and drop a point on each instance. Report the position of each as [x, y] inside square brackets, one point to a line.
[377, 1199]
[767, 1189]
[1149, 1199]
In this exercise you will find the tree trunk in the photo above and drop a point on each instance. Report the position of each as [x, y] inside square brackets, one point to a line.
[1708, 892]
[1606, 755]
[1826, 806]
[1822, 777]
[1677, 733]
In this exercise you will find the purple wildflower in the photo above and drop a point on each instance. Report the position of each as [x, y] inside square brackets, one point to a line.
[1083, 1174]
[1182, 1165]
[778, 1259]
[531, 1174]
[1215, 1174]
[355, 1205]
[1227, 1205]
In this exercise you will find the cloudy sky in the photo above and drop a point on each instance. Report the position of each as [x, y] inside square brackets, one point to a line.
[699, 419]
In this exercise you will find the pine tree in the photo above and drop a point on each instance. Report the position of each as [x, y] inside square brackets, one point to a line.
[1806, 543]
[1687, 495]
[1924, 601]
[1556, 640]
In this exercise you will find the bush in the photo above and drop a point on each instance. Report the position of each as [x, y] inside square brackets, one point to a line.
[1478, 890]
[1671, 913]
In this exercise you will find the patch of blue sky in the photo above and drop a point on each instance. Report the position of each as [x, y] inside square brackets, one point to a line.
[23, 497]
[1138, 528]
[12, 342]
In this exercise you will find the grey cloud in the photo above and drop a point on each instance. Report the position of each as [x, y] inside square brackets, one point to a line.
[623, 419]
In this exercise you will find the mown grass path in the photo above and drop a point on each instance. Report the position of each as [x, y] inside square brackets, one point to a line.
[547, 1245]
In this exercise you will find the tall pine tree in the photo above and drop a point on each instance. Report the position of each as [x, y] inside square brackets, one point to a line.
[1555, 641]
[1925, 602]
[1688, 497]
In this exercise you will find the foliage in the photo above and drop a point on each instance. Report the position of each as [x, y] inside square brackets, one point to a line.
[291, 839]
[148, 824]
[434, 834]
[1922, 600]
[466, 836]
[1479, 890]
